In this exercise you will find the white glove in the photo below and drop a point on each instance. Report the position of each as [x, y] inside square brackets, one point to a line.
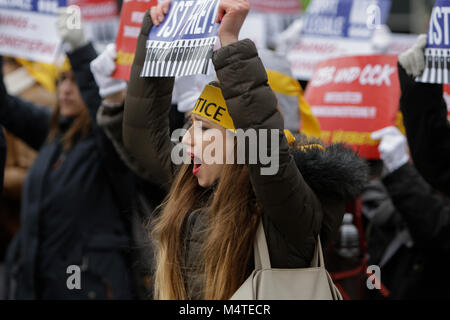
[413, 59]
[102, 68]
[381, 39]
[393, 147]
[70, 27]
[285, 40]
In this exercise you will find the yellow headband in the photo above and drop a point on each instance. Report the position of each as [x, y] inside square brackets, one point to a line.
[45, 74]
[212, 106]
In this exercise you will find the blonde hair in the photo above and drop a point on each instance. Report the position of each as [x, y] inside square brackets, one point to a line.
[232, 219]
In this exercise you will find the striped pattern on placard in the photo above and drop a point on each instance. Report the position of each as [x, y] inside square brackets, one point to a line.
[178, 58]
[437, 66]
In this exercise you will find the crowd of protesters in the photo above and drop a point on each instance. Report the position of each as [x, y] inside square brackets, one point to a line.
[99, 190]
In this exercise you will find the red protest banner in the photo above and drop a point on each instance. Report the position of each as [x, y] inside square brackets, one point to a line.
[447, 98]
[100, 18]
[276, 6]
[130, 24]
[353, 97]
[93, 10]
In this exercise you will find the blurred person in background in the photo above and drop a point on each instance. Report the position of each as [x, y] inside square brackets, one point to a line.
[146, 196]
[425, 117]
[2, 157]
[34, 82]
[409, 225]
[76, 194]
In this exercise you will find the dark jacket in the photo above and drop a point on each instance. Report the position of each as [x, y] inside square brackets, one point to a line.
[146, 198]
[2, 157]
[419, 228]
[73, 204]
[292, 213]
[427, 128]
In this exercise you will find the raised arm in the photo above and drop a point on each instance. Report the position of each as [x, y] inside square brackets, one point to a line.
[425, 118]
[287, 201]
[425, 213]
[285, 197]
[25, 120]
[146, 133]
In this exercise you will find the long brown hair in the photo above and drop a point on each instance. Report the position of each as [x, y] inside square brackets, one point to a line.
[78, 130]
[233, 216]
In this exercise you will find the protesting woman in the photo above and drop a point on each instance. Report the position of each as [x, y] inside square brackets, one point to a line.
[206, 227]
[73, 233]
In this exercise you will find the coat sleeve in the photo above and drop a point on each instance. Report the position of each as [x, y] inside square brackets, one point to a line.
[146, 133]
[111, 121]
[287, 201]
[426, 214]
[80, 61]
[25, 120]
[121, 179]
[427, 128]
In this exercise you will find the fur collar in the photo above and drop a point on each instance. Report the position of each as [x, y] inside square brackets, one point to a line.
[336, 172]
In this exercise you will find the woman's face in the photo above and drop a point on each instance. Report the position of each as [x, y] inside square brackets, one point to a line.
[70, 102]
[206, 144]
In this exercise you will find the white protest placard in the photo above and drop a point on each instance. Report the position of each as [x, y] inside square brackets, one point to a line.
[437, 52]
[28, 29]
[400, 42]
[183, 44]
[335, 28]
[100, 19]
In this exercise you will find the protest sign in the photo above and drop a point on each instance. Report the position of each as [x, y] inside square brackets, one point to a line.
[335, 28]
[276, 6]
[276, 17]
[28, 29]
[183, 44]
[447, 98]
[100, 19]
[437, 52]
[353, 97]
[401, 42]
[130, 24]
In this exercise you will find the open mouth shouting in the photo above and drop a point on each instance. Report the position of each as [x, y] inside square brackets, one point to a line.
[197, 162]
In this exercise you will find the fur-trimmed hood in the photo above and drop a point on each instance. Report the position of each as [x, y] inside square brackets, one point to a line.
[334, 171]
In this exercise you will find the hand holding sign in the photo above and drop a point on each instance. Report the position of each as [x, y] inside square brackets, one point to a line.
[437, 51]
[102, 68]
[182, 43]
[70, 27]
[232, 14]
[413, 59]
[158, 12]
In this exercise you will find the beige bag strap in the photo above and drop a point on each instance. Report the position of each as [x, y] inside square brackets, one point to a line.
[261, 251]
[318, 260]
